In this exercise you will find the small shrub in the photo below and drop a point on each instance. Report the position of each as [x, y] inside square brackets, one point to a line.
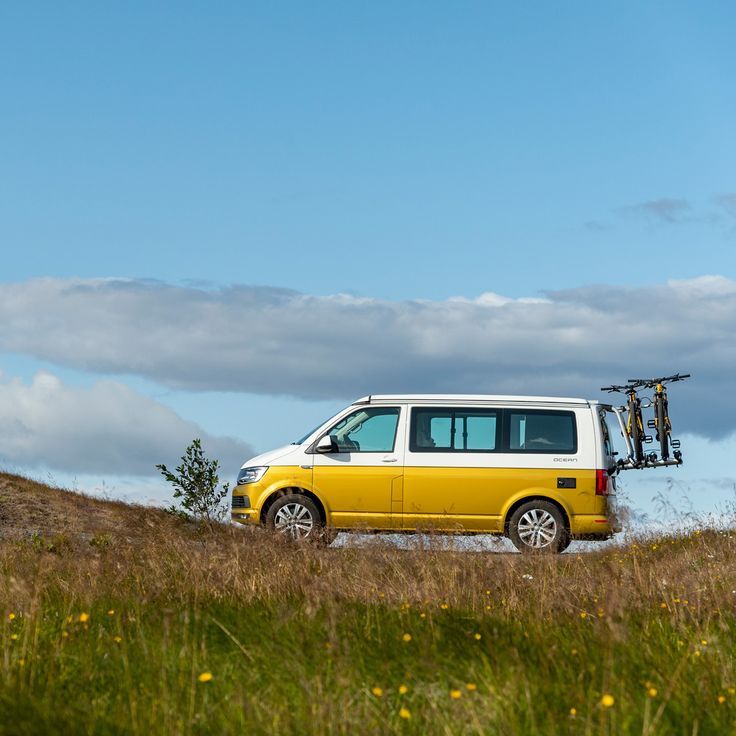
[196, 485]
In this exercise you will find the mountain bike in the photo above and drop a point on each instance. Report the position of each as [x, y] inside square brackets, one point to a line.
[634, 422]
[661, 422]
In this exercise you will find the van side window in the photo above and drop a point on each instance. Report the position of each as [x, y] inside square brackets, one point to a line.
[454, 430]
[367, 430]
[540, 431]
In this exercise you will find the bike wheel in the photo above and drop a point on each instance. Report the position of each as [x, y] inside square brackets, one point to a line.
[662, 429]
[636, 434]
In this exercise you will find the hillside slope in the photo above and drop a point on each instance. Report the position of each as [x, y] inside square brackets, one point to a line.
[118, 619]
[28, 507]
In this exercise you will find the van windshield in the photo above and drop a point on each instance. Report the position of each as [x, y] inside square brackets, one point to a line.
[302, 440]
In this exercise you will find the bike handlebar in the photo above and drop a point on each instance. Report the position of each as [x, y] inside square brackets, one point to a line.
[616, 388]
[652, 382]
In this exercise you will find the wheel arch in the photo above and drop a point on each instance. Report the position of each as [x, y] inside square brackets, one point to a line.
[285, 491]
[539, 496]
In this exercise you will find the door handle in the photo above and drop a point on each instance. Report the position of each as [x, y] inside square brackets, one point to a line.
[389, 459]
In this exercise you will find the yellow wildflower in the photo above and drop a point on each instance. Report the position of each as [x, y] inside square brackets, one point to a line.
[11, 616]
[377, 691]
[573, 712]
[83, 617]
[455, 694]
[652, 692]
[721, 699]
[477, 637]
[403, 689]
[111, 612]
[117, 639]
[406, 637]
[444, 606]
[607, 700]
[471, 686]
[205, 677]
[14, 636]
[404, 713]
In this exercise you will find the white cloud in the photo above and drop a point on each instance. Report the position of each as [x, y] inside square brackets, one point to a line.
[278, 342]
[108, 429]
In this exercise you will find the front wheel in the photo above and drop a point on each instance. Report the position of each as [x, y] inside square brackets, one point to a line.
[297, 517]
[538, 526]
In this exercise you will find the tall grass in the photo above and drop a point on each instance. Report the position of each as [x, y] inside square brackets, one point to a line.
[111, 633]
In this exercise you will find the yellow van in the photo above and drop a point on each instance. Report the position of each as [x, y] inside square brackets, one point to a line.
[534, 469]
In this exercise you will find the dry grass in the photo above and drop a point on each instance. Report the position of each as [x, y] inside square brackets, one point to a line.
[311, 631]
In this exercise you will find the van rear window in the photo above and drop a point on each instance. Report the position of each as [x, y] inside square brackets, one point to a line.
[463, 429]
[542, 430]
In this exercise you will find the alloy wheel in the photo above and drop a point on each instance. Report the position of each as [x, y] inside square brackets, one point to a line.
[294, 520]
[537, 528]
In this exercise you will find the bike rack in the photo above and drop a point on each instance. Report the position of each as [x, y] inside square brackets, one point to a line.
[650, 460]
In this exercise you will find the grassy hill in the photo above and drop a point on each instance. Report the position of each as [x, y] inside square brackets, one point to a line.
[121, 619]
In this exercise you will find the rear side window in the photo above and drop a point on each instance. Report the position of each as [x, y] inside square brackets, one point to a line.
[454, 430]
[541, 431]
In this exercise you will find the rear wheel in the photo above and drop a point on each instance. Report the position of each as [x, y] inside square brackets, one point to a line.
[297, 517]
[662, 429]
[538, 526]
[635, 431]
[565, 543]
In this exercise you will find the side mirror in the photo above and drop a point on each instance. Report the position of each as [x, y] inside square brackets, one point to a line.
[326, 444]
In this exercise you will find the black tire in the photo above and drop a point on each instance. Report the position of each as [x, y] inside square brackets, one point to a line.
[636, 438]
[538, 526]
[297, 517]
[564, 543]
[662, 434]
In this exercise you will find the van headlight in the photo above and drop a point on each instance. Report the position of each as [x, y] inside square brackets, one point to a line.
[251, 475]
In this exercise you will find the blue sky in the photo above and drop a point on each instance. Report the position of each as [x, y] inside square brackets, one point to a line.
[388, 151]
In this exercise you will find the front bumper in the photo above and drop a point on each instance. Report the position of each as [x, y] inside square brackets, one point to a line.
[245, 516]
[240, 506]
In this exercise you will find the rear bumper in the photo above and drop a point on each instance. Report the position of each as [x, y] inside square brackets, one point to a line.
[592, 526]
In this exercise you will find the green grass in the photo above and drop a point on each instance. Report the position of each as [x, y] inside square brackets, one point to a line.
[297, 639]
[292, 668]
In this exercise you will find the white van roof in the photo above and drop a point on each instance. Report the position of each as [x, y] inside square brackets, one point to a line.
[469, 399]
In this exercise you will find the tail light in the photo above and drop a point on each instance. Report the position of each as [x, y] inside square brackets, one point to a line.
[601, 482]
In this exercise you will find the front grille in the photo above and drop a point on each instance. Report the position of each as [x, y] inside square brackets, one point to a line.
[241, 502]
